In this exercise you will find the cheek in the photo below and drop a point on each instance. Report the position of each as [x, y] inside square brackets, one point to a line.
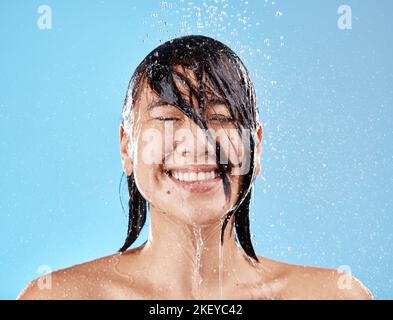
[150, 147]
[147, 166]
[233, 147]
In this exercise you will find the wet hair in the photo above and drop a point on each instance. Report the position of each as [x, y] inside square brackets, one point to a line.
[220, 74]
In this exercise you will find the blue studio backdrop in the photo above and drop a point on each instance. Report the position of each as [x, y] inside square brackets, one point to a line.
[323, 75]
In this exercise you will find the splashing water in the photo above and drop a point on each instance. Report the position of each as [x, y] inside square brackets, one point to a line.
[196, 278]
[116, 268]
[220, 262]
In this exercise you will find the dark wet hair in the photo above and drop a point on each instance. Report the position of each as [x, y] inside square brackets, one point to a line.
[220, 74]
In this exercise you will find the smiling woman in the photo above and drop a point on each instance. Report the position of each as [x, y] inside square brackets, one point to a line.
[190, 145]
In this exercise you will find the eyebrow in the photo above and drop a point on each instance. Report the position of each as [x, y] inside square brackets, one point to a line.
[159, 103]
[162, 103]
[216, 101]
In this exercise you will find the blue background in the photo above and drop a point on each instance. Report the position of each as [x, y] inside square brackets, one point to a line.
[325, 97]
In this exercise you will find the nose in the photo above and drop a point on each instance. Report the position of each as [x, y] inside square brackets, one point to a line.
[191, 143]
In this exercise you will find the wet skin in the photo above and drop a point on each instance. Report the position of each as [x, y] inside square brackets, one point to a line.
[271, 280]
[182, 258]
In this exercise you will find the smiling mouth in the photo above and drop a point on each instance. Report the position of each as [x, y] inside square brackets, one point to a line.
[195, 181]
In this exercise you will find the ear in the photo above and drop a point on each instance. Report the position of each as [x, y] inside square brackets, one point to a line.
[259, 148]
[126, 160]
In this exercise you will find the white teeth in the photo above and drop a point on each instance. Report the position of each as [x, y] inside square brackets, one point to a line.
[193, 176]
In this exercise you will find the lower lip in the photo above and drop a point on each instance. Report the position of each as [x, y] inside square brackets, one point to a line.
[199, 186]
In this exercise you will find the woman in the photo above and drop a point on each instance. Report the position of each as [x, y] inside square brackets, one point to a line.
[190, 145]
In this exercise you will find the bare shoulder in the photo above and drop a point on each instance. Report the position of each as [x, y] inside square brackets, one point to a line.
[82, 281]
[313, 283]
[296, 282]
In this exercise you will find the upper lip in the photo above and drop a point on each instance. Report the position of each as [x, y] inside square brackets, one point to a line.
[193, 168]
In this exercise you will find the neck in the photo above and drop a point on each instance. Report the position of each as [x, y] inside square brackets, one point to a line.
[191, 259]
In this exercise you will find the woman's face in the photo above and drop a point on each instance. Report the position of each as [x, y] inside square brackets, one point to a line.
[173, 163]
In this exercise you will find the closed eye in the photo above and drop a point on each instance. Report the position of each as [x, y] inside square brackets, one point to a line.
[221, 118]
[166, 118]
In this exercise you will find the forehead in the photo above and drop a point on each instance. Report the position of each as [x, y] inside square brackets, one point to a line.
[186, 84]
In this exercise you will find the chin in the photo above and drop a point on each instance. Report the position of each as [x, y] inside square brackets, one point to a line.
[199, 220]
